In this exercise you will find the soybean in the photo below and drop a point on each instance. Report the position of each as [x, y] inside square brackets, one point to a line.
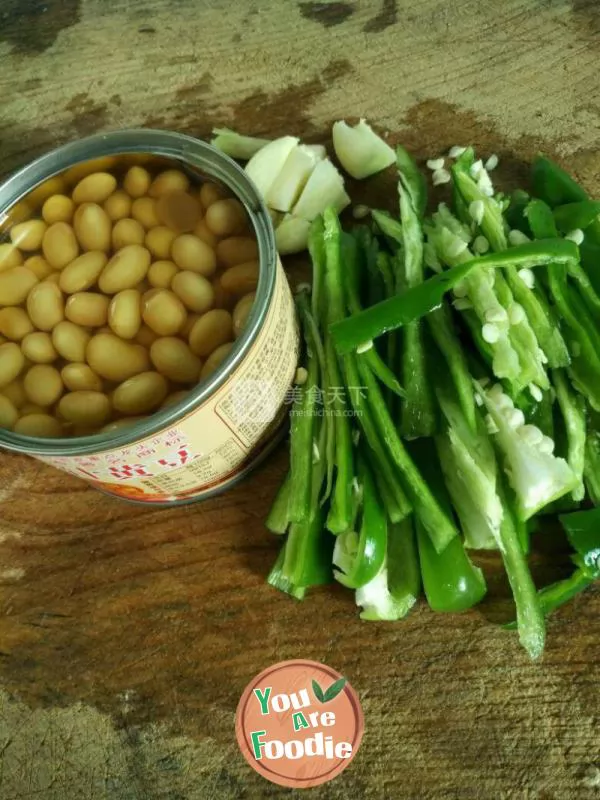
[83, 272]
[194, 290]
[236, 250]
[85, 408]
[137, 181]
[92, 227]
[173, 358]
[159, 241]
[60, 245]
[226, 217]
[191, 253]
[45, 305]
[80, 378]
[14, 323]
[124, 313]
[215, 360]
[114, 359]
[43, 385]
[15, 393]
[118, 205]
[179, 211]
[161, 273]
[58, 208]
[70, 340]
[144, 210]
[241, 312]
[125, 269]
[39, 266]
[8, 413]
[210, 332]
[10, 256]
[171, 180]
[38, 347]
[15, 285]
[89, 309]
[127, 231]
[42, 425]
[28, 235]
[140, 394]
[163, 311]
[94, 188]
[241, 279]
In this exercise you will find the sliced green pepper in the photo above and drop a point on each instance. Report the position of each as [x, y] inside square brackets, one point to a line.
[580, 215]
[417, 302]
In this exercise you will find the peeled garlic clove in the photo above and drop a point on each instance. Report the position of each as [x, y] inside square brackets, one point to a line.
[291, 235]
[236, 145]
[264, 167]
[324, 188]
[292, 178]
[360, 151]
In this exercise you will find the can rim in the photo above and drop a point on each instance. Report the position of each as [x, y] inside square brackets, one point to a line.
[194, 153]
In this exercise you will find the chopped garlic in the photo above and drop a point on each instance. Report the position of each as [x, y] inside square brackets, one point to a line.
[516, 314]
[360, 212]
[441, 176]
[527, 277]
[516, 237]
[492, 162]
[301, 376]
[496, 314]
[575, 236]
[490, 333]
[485, 184]
[435, 163]
[362, 348]
[476, 168]
[316, 454]
[360, 151]
[456, 151]
[536, 392]
[476, 210]
[481, 245]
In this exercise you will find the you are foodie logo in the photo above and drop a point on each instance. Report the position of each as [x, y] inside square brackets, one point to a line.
[299, 723]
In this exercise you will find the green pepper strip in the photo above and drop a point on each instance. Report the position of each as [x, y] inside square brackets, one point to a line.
[556, 187]
[301, 444]
[572, 407]
[439, 524]
[372, 544]
[417, 302]
[530, 619]
[582, 529]
[370, 356]
[278, 517]
[592, 458]
[390, 227]
[450, 579]
[444, 335]
[418, 417]
[580, 215]
[386, 471]
[339, 516]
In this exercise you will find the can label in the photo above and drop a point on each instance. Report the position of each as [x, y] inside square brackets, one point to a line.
[218, 439]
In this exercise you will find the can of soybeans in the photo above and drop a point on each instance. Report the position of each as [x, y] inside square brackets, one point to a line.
[180, 442]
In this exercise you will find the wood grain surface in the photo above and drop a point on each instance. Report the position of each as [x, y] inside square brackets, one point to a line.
[127, 635]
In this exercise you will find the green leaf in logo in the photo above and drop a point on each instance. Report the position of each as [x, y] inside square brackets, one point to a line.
[334, 690]
[318, 691]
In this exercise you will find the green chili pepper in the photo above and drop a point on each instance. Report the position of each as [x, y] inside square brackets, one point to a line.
[419, 301]
[530, 619]
[572, 407]
[338, 519]
[301, 444]
[370, 356]
[439, 525]
[278, 517]
[369, 551]
[277, 579]
[556, 187]
[589, 253]
[386, 472]
[592, 458]
[404, 574]
[450, 580]
[390, 227]
[369, 249]
[580, 215]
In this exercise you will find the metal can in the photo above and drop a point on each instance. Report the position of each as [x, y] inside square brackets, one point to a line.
[227, 424]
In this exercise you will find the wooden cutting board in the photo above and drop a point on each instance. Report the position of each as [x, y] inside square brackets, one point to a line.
[127, 635]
